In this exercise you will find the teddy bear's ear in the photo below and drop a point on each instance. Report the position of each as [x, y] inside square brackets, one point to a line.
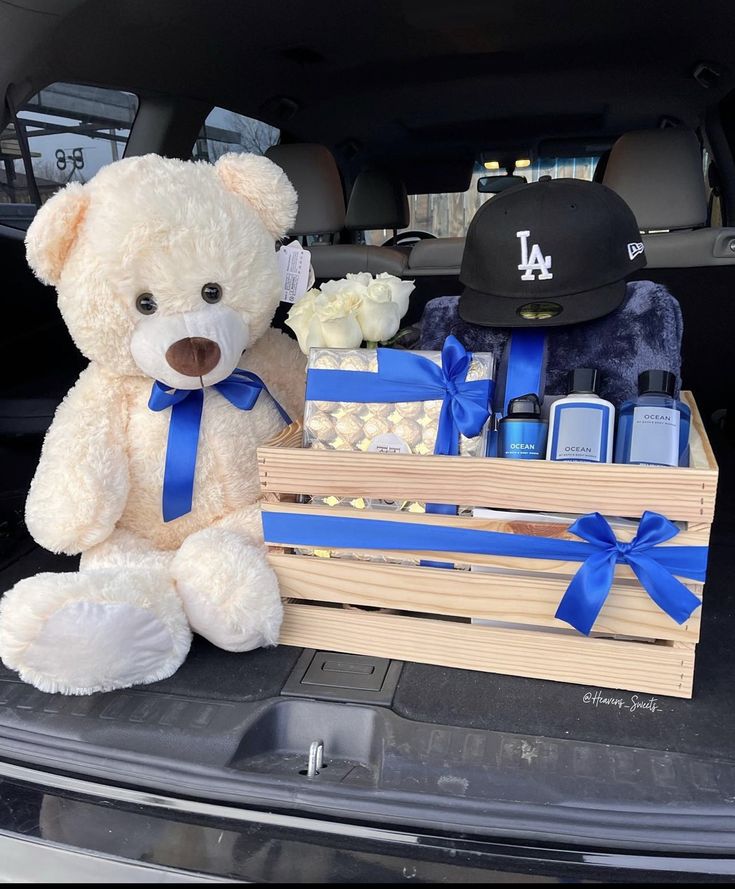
[264, 185]
[53, 231]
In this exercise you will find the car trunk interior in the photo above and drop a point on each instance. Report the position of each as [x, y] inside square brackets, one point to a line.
[426, 745]
[441, 747]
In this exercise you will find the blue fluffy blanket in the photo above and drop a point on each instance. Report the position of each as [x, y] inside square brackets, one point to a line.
[644, 333]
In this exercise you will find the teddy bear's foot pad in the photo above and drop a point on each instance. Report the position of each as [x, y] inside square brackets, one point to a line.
[84, 633]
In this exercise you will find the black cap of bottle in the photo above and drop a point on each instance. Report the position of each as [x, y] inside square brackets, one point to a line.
[524, 407]
[582, 381]
[657, 382]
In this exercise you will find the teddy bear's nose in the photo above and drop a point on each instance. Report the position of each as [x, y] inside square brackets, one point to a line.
[193, 356]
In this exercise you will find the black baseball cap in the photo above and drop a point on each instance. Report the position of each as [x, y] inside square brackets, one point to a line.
[549, 253]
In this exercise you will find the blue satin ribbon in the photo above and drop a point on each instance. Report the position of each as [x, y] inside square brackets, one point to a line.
[242, 389]
[654, 565]
[407, 376]
[525, 362]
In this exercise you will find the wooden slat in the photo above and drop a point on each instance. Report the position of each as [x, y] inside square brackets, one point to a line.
[697, 535]
[691, 534]
[516, 598]
[290, 437]
[662, 669]
[680, 494]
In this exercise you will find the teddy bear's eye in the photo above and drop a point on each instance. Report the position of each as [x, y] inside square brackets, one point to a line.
[146, 304]
[211, 293]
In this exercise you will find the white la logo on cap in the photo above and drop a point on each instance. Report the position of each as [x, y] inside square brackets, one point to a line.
[634, 249]
[535, 262]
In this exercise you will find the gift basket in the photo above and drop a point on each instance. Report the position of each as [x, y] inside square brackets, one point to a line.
[581, 570]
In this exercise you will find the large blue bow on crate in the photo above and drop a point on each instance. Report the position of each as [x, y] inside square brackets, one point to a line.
[242, 389]
[653, 564]
[407, 376]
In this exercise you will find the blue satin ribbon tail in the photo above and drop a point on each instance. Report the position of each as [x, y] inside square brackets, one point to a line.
[242, 389]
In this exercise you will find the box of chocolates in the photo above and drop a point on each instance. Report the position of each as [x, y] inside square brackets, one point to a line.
[401, 427]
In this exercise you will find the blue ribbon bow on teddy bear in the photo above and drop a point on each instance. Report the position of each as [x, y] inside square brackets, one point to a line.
[242, 389]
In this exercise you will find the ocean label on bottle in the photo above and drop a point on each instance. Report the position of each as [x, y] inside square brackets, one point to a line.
[654, 436]
[578, 436]
[523, 440]
[523, 450]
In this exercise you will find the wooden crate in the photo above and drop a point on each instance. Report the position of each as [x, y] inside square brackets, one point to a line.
[634, 645]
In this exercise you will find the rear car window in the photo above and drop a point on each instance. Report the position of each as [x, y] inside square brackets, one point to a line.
[225, 131]
[72, 131]
[448, 215]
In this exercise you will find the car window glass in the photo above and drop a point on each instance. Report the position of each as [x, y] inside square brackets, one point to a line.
[448, 215]
[225, 131]
[72, 131]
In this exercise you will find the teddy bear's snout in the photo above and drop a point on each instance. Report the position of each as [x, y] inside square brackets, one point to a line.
[194, 356]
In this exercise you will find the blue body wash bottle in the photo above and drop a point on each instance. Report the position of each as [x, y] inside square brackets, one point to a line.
[653, 430]
[522, 433]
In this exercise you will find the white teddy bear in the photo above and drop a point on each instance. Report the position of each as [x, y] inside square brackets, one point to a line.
[165, 271]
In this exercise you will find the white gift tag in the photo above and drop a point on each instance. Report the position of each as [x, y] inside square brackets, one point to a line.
[294, 264]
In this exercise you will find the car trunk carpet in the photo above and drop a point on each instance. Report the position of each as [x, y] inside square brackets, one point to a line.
[703, 725]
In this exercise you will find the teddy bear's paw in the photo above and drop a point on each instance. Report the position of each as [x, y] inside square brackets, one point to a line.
[97, 631]
[229, 591]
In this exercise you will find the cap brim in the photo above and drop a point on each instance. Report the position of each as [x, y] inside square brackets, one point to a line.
[489, 310]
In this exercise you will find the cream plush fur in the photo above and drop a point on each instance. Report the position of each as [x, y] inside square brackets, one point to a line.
[167, 228]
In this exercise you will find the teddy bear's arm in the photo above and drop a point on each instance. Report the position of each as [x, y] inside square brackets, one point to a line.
[277, 359]
[81, 484]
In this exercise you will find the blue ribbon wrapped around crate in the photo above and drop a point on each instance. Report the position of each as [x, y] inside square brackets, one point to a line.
[598, 551]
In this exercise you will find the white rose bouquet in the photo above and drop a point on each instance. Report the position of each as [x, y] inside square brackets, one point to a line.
[343, 314]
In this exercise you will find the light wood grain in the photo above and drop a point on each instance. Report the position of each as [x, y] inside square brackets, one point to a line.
[660, 669]
[696, 535]
[515, 598]
[290, 437]
[516, 590]
[691, 534]
[613, 489]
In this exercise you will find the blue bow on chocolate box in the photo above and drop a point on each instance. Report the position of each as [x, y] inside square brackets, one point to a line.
[653, 564]
[407, 376]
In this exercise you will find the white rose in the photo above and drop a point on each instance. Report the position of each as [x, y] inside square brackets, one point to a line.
[378, 315]
[337, 314]
[401, 290]
[336, 287]
[364, 279]
[304, 323]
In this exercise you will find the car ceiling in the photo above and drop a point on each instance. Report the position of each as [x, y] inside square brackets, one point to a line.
[406, 82]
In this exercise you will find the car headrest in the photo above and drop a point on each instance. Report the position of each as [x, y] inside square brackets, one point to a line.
[659, 174]
[313, 172]
[440, 256]
[378, 200]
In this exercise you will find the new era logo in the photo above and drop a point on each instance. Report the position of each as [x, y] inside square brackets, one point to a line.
[635, 249]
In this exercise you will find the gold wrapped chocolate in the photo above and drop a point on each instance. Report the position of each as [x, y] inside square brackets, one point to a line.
[408, 427]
